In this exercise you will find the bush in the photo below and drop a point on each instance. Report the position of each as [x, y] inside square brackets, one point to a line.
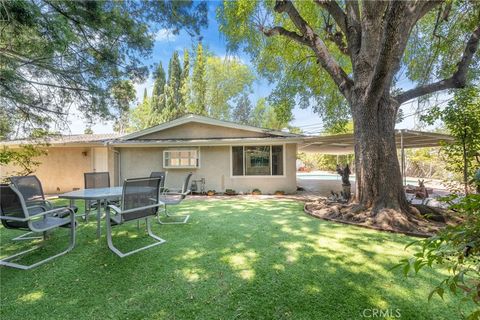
[456, 248]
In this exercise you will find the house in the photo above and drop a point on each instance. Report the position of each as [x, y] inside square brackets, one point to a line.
[226, 154]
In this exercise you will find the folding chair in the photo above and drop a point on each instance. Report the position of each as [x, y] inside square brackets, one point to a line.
[139, 201]
[37, 218]
[174, 197]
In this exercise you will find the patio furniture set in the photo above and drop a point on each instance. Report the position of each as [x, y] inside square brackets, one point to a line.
[23, 206]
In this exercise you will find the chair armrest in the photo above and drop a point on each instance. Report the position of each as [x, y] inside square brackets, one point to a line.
[178, 193]
[114, 208]
[47, 203]
[36, 216]
[118, 210]
[41, 214]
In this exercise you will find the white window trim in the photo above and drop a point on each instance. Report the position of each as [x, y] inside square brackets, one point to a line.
[179, 150]
[284, 149]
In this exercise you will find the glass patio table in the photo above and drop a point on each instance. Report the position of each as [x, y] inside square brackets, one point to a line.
[99, 194]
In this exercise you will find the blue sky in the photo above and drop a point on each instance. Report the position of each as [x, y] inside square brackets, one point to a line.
[212, 39]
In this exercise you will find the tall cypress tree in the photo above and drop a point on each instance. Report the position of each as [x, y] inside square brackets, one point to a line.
[185, 85]
[158, 90]
[199, 83]
[173, 101]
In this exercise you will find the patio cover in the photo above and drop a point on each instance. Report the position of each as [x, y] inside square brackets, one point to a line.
[344, 143]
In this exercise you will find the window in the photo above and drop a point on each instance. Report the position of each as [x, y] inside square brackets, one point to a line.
[257, 161]
[182, 158]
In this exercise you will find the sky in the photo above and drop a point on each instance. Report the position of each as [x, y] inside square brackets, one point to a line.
[215, 42]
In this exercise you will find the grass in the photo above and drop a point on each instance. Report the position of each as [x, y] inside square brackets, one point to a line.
[235, 259]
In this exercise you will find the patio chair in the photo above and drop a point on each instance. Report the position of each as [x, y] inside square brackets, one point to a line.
[32, 191]
[160, 174]
[139, 201]
[174, 197]
[94, 180]
[37, 218]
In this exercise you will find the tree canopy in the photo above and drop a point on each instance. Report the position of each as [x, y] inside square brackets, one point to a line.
[58, 55]
[273, 34]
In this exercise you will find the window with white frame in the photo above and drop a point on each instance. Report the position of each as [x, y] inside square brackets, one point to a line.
[181, 158]
[257, 160]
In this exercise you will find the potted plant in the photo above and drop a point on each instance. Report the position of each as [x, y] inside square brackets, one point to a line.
[211, 192]
[256, 192]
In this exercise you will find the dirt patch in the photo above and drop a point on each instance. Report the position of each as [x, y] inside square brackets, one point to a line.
[425, 221]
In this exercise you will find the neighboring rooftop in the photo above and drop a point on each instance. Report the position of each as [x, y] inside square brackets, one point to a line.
[66, 139]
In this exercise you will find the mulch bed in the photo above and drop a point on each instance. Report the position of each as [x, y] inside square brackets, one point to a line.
[424, 223]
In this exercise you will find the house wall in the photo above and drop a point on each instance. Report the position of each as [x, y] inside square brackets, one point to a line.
[201, 131]
[62, 169]
[215, 167]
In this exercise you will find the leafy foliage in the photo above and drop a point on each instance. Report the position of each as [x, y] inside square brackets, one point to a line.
[227, 79]
[61, 54]
[462, 119]
[123, 94]
[25, 159]
[199, 84]
[458, 249]
[242, 111]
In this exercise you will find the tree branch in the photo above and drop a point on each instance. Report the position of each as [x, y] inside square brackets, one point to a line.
[284, 32]
[457, 80]
[325, 58]
[336, 12]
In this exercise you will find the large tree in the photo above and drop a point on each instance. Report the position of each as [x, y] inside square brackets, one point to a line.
[361, 48]
[58, 54]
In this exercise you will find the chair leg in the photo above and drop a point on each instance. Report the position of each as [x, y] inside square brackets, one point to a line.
[125, 254]
[183, 220]
[26, 236]
[8, 260]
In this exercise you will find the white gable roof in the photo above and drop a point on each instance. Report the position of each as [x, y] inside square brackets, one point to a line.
[204, 120]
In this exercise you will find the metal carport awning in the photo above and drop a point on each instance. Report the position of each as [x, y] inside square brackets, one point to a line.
[344, 143]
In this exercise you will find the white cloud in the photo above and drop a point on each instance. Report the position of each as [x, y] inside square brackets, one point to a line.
[165, 35]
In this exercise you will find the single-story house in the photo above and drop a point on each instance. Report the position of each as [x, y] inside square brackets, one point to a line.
[226, 154]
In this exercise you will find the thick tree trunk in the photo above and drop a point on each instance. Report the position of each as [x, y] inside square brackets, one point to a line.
[378, 178]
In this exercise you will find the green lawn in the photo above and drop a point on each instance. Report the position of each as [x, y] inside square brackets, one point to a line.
[233, 260]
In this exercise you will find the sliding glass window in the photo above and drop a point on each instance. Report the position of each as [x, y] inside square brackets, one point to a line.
[257, 161]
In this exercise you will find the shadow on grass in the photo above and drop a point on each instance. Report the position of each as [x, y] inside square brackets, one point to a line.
[233, 260]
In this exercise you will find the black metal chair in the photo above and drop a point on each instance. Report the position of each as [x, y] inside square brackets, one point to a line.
[32, 191]
[139, 201]
[35, 218]
[94, 180]
[174, 197]
[160, 174]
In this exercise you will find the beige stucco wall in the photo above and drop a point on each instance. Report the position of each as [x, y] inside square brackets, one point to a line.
[215, 167]
[201, 131]
[62, 169]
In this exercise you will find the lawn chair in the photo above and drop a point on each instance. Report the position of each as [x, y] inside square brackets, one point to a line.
[94, 180]
[160, 174]
[37, 218]
[139, 201]
[174, 197]
[31, 189]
